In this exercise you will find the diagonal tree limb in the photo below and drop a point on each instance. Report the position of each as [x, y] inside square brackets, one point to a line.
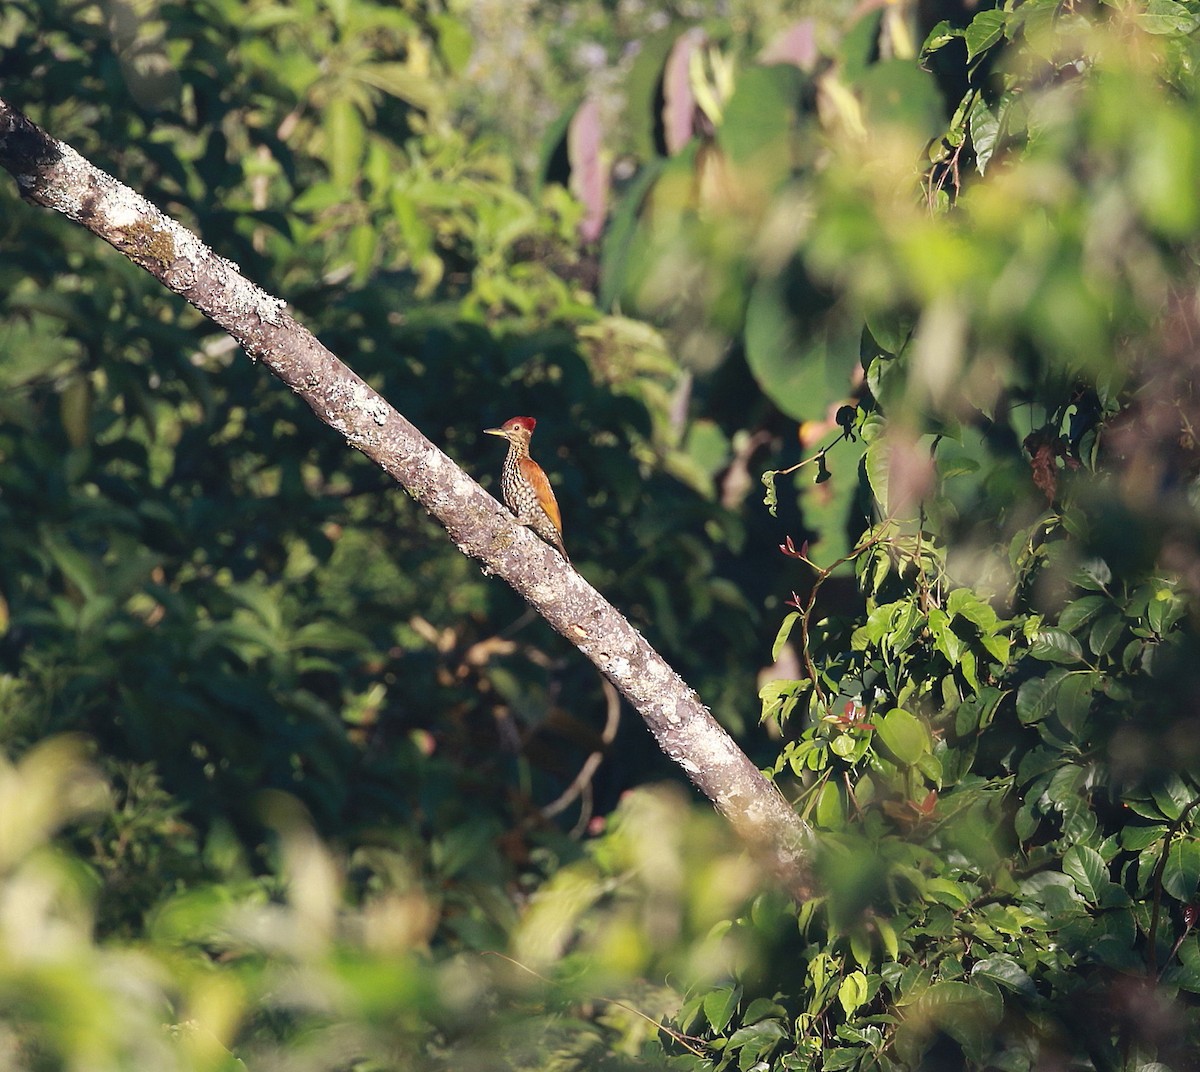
[51, 174]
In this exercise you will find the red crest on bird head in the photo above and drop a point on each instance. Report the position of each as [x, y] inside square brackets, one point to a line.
[528, 423]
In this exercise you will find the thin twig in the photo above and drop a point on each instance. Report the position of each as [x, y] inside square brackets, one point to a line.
[584, 777]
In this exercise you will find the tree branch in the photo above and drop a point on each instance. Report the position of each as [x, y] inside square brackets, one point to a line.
[51, 174]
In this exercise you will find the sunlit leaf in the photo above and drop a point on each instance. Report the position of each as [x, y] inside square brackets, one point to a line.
[904, 735]
[984, 30]
[785, 630]
[853, 991]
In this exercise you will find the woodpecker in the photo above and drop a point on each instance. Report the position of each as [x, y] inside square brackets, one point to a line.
[524, 486]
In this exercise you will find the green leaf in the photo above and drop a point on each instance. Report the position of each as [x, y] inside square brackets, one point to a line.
[1064, 787]
[886, 332]
[785, 630]
[754, 1040]
[460, 849]
[976, 713]
[967, 666]
[985, 30]
[860, 947]
[1004, 970]
[836, 1060]
[1105, 633]
[1181, 876]
[454, 41]
[940, 36]
[1167, 17]
[1074, 699]
[853, 991]
[1056, 646]
[1136, 838]
[403, 82]
[985, 133]
[1094, 575]
[346, 138]
[968, 1014]
[76, 567]
[930, 766]
[1082, 611]
[719, 1006]
[843, 745]
[1186, 974]
[953, 462]
[1026, 821]
[887, 937]
[761, 1009]
[779, 697]
[1087, 870]
[830, 812]
[948, 642]
[904, 735]
[690, 1012]
[799, 351]
[621, 244]
[1036, 698]
[999, 647]
[1159, 610]
[757, 127]
[899, 92]
[962, 602]
[947, 892]
[878, 465]
[329, 636]
[1172, 795]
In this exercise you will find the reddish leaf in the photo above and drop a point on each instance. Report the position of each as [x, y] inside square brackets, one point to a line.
[679, 103]
[589, 174]
[797, 45]
[1044, 450]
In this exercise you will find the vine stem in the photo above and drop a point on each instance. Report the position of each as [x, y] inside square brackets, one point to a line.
[1156, 906]
[823, 573]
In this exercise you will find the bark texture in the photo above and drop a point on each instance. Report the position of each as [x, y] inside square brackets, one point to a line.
[51, 174]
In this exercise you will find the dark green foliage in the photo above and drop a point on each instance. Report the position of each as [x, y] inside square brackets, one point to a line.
[955, 281]
[200, 577]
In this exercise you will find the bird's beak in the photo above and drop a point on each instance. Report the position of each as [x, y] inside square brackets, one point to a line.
[496, 431]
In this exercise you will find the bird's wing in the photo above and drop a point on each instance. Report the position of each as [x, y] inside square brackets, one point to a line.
[541, 488]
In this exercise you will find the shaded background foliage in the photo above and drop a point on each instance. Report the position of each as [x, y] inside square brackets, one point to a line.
[200, 547]
[946, 256]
